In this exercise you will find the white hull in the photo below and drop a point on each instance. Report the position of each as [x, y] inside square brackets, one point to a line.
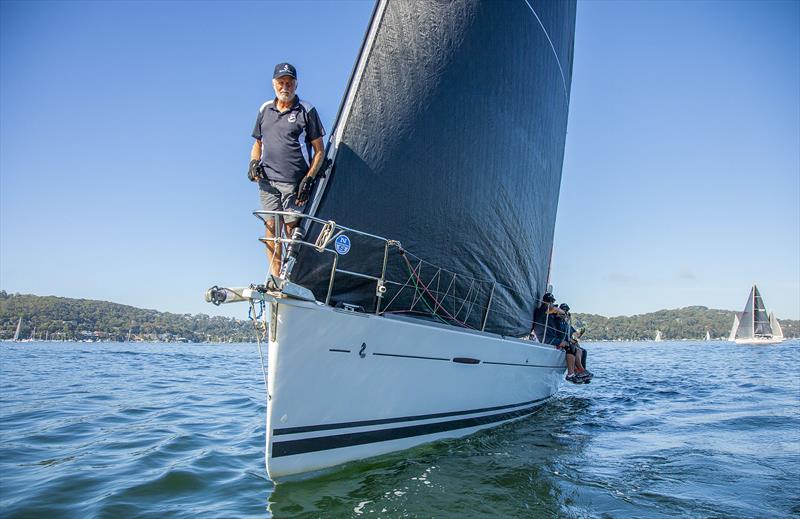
[759, 340]
[345, 386]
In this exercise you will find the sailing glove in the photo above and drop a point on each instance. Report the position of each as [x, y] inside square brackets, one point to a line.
[255, 172]
[304, 189]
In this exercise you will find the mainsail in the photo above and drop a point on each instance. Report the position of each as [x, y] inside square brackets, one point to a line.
[761, 324]
[451, 140]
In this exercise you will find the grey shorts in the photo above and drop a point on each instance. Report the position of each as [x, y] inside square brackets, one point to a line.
[279, 196]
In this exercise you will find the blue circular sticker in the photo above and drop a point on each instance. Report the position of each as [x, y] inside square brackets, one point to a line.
[342, 244]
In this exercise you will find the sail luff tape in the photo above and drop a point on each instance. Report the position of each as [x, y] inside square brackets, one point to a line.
[552, 47]
[338, 130]
[362, 64]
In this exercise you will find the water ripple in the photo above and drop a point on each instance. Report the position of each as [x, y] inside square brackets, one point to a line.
[120, 430]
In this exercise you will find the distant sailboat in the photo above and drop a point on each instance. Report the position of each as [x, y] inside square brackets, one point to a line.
[658, 336]
[19, 326]
[754, 325]
[708, 335]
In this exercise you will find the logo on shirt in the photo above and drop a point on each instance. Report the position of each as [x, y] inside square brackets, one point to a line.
[292, 118]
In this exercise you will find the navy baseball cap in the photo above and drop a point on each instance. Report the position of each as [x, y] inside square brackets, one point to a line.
[284, 69]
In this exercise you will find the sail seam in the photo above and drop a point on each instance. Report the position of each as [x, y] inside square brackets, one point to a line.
[552, 47]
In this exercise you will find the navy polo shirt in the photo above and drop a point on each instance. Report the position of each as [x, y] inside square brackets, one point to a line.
[286, 138]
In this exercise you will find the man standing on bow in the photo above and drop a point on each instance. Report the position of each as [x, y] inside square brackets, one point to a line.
[287, 130]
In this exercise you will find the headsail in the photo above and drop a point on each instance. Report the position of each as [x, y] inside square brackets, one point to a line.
[16, 333]
[745, 329]
[735, 326]
[451, 140]
[775, 326]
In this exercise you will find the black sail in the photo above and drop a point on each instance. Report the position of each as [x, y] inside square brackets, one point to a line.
[452, 142]
[761, 322]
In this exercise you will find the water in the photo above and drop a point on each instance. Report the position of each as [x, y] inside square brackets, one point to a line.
[163, 430]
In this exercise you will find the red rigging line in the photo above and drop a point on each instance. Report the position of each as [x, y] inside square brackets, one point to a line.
[418, 282]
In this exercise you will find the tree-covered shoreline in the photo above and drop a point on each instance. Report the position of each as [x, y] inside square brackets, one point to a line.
[690, 322]
[62, 318]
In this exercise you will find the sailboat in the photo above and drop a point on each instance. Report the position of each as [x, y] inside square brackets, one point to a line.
[403, 311]
[658, 336]
[754, 325]
[16, 333]
[708, 335]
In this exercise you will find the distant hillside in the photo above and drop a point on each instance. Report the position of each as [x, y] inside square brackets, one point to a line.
[86, 319]
[684, 323]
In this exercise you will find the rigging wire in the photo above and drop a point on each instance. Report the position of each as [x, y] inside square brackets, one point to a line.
[259, 335]
[417, 283]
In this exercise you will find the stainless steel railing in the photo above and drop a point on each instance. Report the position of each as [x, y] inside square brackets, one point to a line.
[329, 233]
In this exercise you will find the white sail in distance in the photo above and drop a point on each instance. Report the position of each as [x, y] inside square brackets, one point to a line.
[777, 331]
[19, 326]
[735, 326]
[745, 330]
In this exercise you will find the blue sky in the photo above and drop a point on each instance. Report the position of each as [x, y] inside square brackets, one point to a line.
[124, 142]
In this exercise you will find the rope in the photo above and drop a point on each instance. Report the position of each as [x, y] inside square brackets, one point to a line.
[259, 336]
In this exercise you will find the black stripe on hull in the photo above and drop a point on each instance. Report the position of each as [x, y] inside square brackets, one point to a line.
[409, 356]
[523, 365]
[338, 441]
[383, 421]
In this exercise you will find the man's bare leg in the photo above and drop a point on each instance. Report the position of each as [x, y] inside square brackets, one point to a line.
[274, 249]
[570, 364]
[578, 361]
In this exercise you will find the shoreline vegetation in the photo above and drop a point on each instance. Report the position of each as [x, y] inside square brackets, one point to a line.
[86, 320]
